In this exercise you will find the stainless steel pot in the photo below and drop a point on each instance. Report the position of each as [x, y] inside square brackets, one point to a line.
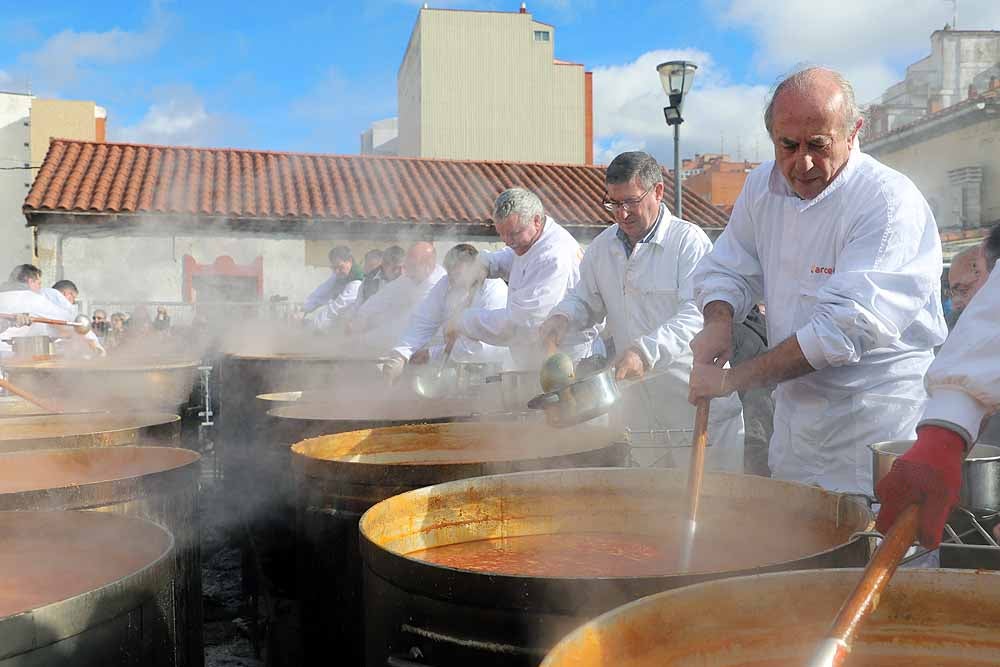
[980, 472]
[26, 347]
[580, 401]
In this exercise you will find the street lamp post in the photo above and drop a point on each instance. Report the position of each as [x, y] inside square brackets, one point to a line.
[676, 77]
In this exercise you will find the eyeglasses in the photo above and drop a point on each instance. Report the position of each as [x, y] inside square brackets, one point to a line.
[628, 205]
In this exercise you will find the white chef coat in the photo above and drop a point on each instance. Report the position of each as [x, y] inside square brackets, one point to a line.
[33, 303]
[340, 306]
[435, 310]
[381, 320]
[964, 380]
[854, 274]
[537, 281]
[648, 299]
[73, 345]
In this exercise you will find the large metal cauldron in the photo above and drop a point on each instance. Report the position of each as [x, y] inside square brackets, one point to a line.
[260, 471]
[110, 383]
[341, 476]
[84, 589]
[244, 376]
[457, 616]
[73, 431]
[925, 618]
[155, 483]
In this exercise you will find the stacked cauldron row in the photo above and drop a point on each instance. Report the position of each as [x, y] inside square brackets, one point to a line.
[99, 528]
[374, 482]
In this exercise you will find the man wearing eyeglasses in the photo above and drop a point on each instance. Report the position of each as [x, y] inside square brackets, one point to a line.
[637, 274]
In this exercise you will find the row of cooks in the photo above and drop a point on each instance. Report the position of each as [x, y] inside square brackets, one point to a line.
[22, 297]
[842, 249]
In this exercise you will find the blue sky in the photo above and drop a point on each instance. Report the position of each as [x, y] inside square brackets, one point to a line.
[310, 76]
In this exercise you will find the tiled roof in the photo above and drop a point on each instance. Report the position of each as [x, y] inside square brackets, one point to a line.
[188, 185]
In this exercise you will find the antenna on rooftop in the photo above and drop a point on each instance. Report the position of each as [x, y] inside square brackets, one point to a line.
[954, 14]
[722, 143]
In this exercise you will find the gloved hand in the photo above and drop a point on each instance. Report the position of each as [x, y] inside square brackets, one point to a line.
[929, 474]
[22, 320]
[392, 367]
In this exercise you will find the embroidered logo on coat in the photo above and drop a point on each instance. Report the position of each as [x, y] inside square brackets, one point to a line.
[826, 270]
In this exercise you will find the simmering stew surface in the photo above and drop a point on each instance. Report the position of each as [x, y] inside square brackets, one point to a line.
[720, 545]
[46, 557]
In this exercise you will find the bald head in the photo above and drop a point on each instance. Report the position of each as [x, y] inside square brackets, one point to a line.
[813, 121]
[420, 261]
[966, 276]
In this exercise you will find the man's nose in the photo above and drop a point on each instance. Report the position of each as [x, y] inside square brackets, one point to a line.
[621, 214]
[805, 162]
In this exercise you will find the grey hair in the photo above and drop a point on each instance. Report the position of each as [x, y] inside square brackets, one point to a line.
[634, 164]
[520, 201]
[802, 80]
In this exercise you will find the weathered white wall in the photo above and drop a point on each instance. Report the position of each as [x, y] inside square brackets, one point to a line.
[149, 269]
[15, 238]
[927, 163]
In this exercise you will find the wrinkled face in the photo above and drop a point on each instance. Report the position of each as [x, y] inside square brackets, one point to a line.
[341, 269]
[519, 237]
[634, 207]
[391, 271]
[99, 317]
[811, 145]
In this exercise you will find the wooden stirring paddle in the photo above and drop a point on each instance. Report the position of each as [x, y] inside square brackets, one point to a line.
[833, 650]
[695, 473]
[29, 396]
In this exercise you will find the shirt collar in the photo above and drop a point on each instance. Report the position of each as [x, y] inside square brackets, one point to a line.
[652, 236]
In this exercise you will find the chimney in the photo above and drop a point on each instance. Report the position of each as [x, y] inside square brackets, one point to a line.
[524, 8]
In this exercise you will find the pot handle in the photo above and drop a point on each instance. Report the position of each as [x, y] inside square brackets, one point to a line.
[543, 401]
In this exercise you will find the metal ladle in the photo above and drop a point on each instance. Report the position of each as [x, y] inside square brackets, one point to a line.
[81, 324]
[435, 384]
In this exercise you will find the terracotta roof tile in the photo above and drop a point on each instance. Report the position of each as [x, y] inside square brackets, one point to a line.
[87, 177]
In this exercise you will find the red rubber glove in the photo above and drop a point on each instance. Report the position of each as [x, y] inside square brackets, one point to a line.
[929, 474]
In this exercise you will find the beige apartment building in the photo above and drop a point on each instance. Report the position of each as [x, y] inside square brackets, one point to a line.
[485, 85]
[27, 125]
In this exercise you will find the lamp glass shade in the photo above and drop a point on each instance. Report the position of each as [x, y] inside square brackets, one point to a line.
[676, 76]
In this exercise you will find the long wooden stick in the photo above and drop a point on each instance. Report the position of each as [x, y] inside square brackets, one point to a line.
[833, 650]
[29, 396]
[696, 472]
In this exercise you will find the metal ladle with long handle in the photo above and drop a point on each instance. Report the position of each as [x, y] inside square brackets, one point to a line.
[28, 396]
[81, 324]
[434, 384]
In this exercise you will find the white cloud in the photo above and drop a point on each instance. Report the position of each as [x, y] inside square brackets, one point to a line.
[628, 111]
[177, 117]
[871, 42]
[64, 57]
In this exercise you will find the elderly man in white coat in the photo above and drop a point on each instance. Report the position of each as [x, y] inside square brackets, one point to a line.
[845, 253]
[462, 288]
[637, 274]
[21, 295]
[381, 320]
[541, 261]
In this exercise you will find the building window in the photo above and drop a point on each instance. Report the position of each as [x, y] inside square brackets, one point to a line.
[541, 35]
